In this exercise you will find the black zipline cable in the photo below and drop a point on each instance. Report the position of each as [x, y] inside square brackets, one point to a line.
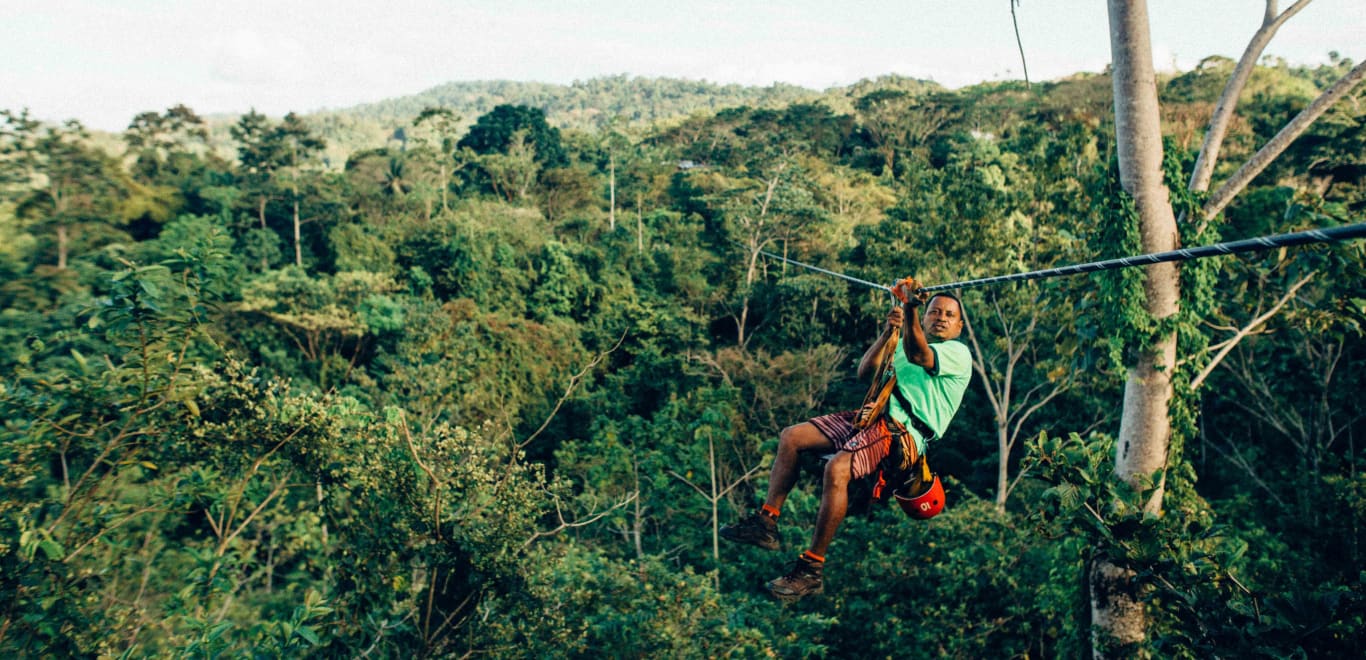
[1331, 234]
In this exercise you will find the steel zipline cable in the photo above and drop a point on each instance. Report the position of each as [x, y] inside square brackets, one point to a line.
[818, 269]
[1328, 235]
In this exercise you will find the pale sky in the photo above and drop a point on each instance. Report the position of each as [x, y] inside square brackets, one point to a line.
[104, 61]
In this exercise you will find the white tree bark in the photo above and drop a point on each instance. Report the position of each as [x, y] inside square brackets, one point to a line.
[1117, 613]
[1144, 426]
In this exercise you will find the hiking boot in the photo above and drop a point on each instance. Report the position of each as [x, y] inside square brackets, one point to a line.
[758, 529]
[803, 579]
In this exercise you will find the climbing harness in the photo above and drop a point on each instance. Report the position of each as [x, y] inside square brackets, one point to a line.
[1328, 235]
[920, 496]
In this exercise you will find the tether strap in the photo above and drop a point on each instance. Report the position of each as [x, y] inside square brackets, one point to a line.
[919, 424]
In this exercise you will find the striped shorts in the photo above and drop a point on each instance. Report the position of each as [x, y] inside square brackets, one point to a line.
[868, 446]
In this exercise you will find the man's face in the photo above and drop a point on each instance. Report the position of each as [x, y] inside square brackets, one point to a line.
[943, 319]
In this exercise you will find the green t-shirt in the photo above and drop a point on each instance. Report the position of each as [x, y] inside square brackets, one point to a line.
[934, 395]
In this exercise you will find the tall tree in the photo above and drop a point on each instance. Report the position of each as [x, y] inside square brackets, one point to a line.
[155, 137]
[275, 155]
[258, 155]
[434, 130]
[1145, 429]
[64, 182]
[1141, 453]
[300, 146]
[615, 143]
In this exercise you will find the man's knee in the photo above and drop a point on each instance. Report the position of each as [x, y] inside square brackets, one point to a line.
[838, 469]
[799, 436]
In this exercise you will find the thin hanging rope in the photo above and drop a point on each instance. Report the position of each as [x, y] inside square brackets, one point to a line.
[1331, 234]
[1014, 21]
[818, 269]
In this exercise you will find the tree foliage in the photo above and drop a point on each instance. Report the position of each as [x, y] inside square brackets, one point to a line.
[508, 383]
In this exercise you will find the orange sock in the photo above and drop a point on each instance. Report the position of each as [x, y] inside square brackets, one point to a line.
[813, 557]
[771, 510]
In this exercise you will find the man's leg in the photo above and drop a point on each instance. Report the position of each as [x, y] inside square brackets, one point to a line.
[834, 501]
[761, 528]
[791, 442]
[806, 575]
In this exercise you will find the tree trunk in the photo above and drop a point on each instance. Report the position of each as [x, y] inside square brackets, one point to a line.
[62, 248]
[445, 183]
[612, 191]
[1118, 620]
[298, 251]
[1002, 462]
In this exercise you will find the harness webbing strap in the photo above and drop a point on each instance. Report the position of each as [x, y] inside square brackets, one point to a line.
[882, 386]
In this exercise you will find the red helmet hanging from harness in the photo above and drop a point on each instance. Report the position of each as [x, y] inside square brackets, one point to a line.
[927, 504]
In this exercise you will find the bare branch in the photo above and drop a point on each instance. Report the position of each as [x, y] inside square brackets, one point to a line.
[710, 360]
[979, 364]
[1246, 330]
[459, 609]
[573, 384]
[1094, 513]
[725, 491]
[433, 483]
[592, 518]
[1270, 410]
[280, 487]
[688, 481]
[1024, 416]
[1276, 145]
[1235, 457]
[1228, 100]
[108, 529]
[408, 438]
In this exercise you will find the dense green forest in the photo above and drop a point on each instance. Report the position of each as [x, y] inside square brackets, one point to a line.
[485, 381]
[616, 102]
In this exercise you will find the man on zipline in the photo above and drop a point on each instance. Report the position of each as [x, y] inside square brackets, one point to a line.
[931, 373]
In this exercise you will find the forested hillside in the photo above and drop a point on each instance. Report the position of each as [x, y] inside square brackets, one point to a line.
[485, 379]
[589, 103]
[620, 102]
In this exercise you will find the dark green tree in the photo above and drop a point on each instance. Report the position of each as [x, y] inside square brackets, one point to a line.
[156, 138]
[495, 132]
[277, 161]
[65, 184]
